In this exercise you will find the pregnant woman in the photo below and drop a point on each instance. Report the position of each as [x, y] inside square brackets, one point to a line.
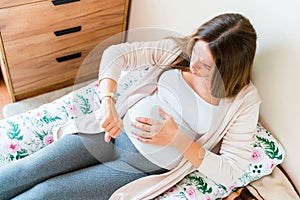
[195, 108]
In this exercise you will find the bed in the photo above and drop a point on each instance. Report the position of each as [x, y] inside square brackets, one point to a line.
[28, 126]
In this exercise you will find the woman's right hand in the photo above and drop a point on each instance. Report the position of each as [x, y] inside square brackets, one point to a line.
[110, 121]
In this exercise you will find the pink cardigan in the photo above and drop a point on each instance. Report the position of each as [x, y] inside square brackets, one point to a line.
[228, 143]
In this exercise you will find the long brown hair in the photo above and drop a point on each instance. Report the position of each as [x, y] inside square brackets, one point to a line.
[232, 41]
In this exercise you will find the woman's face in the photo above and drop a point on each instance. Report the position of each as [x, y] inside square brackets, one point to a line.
[202, 62]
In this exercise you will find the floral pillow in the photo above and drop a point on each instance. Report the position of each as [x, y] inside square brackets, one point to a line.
[25, 133]
[267, 153]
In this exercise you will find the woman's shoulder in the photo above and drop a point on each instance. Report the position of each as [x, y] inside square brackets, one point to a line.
[250, 93]
[251, 89]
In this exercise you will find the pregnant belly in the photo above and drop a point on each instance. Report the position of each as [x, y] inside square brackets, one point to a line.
[163, 156]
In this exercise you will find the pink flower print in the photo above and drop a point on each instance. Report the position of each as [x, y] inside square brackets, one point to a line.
[268, 166]
[272, 164]
[13, 147]
[207, 197]
[191, 192]
[48, 139]
[38, 114]
[231, 187]
[257, 155]
[72, 108]
[97, 84]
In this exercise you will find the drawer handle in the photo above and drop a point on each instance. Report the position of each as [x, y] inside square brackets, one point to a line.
[61, 2]
[68, 57]
[67, 31]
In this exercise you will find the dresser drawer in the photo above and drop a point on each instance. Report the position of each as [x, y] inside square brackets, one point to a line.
[36, 18]
[39, 61]
[44, 43]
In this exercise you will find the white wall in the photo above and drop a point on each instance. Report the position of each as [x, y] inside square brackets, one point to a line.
[277, 64]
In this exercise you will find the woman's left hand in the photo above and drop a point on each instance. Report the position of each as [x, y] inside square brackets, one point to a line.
[156, 132]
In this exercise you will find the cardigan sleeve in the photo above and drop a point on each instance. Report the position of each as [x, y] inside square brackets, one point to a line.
[129, 56]
[237, 144]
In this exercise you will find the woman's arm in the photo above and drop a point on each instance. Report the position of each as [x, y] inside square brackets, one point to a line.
[110, 120]
[233, 158]
[130, 56]
[191, 150]
[127, 56]
[236, 147]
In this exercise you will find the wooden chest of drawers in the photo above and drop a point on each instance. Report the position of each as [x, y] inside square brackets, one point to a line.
[45, 44]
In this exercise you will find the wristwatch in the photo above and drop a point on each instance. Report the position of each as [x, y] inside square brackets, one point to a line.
[110, 95]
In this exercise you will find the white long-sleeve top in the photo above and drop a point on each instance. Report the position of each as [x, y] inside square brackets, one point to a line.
[180, 101]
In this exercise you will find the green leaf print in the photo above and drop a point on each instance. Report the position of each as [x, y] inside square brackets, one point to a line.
[64, 110]
[85, 106]
[14, 131]
[222, 187]
[48, 120]
[40, 135]
[182, 196]
[200, 184]
[11, 157]
[21, 154]
[270, 149]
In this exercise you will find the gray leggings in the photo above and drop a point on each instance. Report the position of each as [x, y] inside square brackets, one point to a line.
[75, 167]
